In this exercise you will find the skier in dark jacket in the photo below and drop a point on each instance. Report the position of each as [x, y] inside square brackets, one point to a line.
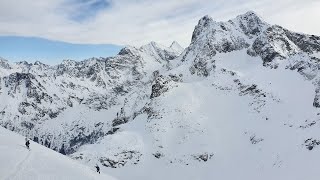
[28, 143]
[98, 169]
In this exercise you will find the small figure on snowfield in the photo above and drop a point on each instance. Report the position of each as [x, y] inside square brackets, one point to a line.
[98, 169]
[27, 143]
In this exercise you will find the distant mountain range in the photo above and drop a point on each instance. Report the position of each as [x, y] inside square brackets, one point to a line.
[33, 49]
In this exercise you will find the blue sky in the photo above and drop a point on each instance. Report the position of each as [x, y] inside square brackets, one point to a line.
[133, 22]
[50, 52]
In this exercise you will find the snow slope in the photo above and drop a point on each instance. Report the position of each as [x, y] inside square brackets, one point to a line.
[39, 163]
[206, 128]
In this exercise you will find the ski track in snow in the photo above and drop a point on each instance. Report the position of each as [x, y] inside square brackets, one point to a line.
[19, 167]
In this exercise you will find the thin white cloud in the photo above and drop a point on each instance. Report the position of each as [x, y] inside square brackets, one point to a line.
[137, 22]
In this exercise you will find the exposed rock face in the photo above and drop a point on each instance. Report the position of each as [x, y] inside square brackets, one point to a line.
[159, 87]
[4, 63]
[41, 95]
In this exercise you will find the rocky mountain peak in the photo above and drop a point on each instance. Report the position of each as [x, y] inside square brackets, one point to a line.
[205, 20]
[40, 64]
[176, 47]
[4, 63]
[250, 15]
[128, 50]
[153, 45]
[203, 24]
[25, 63]
[160, 52]
[250, 30]
[250, 23]
[68, 62]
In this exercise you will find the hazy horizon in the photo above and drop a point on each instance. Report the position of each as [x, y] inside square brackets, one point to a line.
[31, 49]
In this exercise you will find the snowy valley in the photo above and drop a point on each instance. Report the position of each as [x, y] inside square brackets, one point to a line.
[240, 102]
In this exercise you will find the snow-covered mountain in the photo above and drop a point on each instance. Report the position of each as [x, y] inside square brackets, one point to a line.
[19, 163]
[37, 97]
[176, 47]
[243, 97]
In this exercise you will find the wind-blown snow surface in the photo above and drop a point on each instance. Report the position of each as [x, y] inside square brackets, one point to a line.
[254, 136]
[241, 102]
[39, 163]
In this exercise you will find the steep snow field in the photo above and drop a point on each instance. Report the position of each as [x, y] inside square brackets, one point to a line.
[39, 163]
[249, 135]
